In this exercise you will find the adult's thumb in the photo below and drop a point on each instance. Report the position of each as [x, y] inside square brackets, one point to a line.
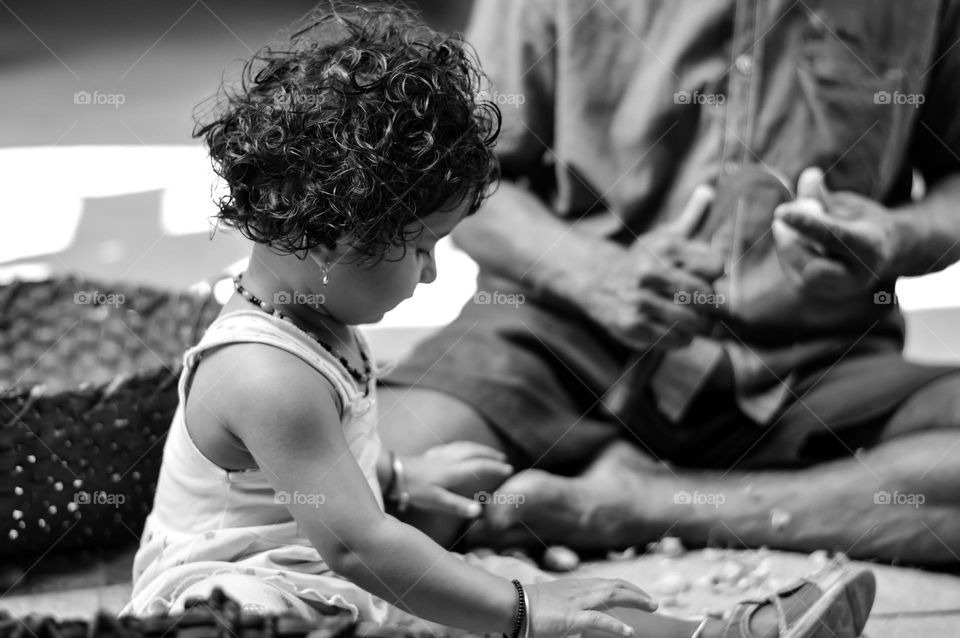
[812, 184]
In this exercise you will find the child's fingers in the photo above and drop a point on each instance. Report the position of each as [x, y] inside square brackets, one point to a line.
[621, 593]
[632, 587]
[440, 500]
[598, 621]
[626, 598]
[464, 450]
[486, 467]
[635, 596]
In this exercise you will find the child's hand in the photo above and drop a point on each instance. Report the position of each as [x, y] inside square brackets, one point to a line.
[572, 606]
[437, 478]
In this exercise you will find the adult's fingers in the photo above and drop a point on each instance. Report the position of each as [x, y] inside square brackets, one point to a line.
[667, 283]
[645, 312]
[831, 233]
[683, 310]
[690, 218]
[820, 274]
[656, 335]
[812, 183]
[699, 259]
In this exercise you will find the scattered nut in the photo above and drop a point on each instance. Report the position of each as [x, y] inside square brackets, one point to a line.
[712, 553]
[729, 572]
[671, 583]
[779, 519]
[560, 559]
[669, 546]
[820, 558]
[519, 554]
[628, 554]
[706, 581]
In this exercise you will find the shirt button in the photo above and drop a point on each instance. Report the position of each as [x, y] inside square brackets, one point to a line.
[730, 167]
[744, 64]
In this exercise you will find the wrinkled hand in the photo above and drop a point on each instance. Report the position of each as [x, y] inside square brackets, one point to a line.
[648, 294]
[572, 606]
[833, 245]
[432, 478]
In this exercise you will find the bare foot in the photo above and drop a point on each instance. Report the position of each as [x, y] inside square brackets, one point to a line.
[601, 509]
[530, 506]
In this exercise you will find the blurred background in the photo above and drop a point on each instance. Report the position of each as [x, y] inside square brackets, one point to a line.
[101, 177]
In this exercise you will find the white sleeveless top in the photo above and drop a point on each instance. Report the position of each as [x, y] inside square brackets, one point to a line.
[207, 520]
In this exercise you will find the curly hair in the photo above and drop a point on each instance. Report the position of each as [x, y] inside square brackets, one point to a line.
[364, 121]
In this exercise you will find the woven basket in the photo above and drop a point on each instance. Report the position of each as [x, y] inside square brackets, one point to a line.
[88, 386]
[219, 616]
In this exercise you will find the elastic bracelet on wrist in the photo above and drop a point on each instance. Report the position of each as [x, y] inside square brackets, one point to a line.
[402, 497]
[521, 619]
[388, 488]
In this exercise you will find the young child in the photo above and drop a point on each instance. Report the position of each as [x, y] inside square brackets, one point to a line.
[349, 153]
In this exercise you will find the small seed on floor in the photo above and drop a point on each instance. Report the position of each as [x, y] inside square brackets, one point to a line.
[519, 554]
[819, 558]
[712, 553]
[672, 583]
[669, 546]
[628, 554]
[560, 559]
[779, 519]
[706, 581]
[729, 572]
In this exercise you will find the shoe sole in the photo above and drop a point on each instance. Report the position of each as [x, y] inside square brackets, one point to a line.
[843, 609]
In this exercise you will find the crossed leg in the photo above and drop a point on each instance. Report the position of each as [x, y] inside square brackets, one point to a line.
[895, 502]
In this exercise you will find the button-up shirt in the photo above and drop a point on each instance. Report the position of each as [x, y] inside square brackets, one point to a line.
[615, 110]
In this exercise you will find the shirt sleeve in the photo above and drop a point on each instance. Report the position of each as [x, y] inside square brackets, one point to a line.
[515, 42]
[937, 143]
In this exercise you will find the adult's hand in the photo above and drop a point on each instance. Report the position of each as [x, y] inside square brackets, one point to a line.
[833, 245]
[657, 292]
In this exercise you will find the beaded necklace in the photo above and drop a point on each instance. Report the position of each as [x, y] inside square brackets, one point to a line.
[361, 377]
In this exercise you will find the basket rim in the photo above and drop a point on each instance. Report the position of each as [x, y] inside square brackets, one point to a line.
[29, 393]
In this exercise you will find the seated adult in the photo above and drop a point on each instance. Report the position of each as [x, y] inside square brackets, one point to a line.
[685, 320]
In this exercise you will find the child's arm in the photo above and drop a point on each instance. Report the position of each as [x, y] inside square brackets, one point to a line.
[291, 426]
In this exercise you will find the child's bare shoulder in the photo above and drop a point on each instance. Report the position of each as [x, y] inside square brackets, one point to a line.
[242, 386]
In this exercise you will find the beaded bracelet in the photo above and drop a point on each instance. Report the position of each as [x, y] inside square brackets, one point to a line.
[521, 610]
[403, 496]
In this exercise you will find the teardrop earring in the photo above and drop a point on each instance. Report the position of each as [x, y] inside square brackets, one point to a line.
[324, 269]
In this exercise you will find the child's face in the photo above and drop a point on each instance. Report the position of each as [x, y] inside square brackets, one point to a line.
[359, 293]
